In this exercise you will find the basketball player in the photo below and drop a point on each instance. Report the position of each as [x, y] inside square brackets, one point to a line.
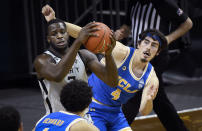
[160, 15]
[75, 97]
[10, 119]
[60, 63]
[135, 73]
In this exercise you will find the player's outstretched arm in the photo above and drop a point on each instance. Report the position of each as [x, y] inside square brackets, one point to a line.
[108, 72]
[45, 65]
[149, 94]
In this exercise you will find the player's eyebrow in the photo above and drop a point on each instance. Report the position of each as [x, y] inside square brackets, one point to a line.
[153, 42]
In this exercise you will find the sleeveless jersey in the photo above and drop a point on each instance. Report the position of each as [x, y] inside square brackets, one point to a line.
[128, 83]
[51, 90]
[57, 121]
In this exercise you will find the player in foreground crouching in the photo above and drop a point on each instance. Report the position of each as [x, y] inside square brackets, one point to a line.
[75, 98]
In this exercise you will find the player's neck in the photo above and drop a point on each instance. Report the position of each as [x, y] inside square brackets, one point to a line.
[81, 114]
[59, 54]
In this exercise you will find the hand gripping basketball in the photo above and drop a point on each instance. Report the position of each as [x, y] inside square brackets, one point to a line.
[102, 42]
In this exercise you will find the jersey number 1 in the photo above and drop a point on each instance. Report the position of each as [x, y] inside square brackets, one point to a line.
[116, 94]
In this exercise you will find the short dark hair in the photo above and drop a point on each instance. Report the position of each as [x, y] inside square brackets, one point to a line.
[56, 21]
[76, 96]
[9, 118]
[53, 21]
[154, 32]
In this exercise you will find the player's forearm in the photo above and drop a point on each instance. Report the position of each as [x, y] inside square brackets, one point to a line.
[73, 30]
[146, 106]
[180, 31]
[126, 29]
[111, 72]
[63, 67]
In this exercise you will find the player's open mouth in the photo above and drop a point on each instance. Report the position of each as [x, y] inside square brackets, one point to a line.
[61, 43]
[147, 54]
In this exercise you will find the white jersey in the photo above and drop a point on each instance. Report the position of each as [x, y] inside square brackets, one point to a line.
[51, 90]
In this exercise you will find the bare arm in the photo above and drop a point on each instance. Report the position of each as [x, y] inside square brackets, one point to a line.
[149, 94]
[123, 32]
[180, 31]
[83, 126]
[44, 64]
[46, 68]
[107, 73]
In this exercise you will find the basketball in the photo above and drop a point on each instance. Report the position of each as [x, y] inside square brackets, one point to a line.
[99, 44]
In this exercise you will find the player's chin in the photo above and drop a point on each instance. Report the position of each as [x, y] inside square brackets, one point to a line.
[144, 60]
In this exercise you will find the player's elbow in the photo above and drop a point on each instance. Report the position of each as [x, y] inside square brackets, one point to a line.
[145, 112]
[146, 108]
[189, 23]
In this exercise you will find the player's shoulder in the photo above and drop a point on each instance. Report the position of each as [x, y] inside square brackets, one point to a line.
[152, 78]
[84, 126]
[120, 51]
[42, 58]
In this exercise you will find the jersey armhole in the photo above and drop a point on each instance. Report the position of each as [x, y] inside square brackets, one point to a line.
[150, 76]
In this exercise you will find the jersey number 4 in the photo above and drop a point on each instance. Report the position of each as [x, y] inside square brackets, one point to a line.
[116, 94]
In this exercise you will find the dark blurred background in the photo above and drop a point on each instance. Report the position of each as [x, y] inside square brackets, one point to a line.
[23, 33]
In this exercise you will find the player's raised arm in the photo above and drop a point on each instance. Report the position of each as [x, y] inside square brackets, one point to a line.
[108, 72]
[149, 94]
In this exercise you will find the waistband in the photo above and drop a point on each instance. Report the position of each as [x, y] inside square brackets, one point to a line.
[98, 102]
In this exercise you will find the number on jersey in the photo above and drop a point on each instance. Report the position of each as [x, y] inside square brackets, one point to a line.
[116, 94]
[45, 129]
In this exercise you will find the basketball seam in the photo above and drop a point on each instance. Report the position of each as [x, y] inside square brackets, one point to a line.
[100, 40]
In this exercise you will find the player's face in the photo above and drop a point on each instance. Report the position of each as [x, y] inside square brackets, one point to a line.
[58, 36]
[148, 48]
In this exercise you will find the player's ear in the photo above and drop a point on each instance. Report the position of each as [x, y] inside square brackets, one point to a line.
[48, 39]
[157, 53]
[21, 127]
[138, 44]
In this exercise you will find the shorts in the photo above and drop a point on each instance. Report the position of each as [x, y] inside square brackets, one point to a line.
[108, 118]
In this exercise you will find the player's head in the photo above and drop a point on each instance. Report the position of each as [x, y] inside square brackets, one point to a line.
[151, 43]
[10, 119]
[76, 96]
[57, 35]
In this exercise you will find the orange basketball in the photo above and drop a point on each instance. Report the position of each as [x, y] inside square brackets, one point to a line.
[99, 44]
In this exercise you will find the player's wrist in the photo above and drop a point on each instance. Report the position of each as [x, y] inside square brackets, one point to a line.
[108, 55]
[79, 41]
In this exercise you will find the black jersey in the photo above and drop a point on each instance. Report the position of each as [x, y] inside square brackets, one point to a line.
[153, 14]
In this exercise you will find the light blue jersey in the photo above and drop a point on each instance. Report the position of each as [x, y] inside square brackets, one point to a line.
[57, 121]
[105, 110]
[128, 84]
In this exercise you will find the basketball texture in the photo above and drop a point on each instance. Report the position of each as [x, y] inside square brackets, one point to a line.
[99, 44]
